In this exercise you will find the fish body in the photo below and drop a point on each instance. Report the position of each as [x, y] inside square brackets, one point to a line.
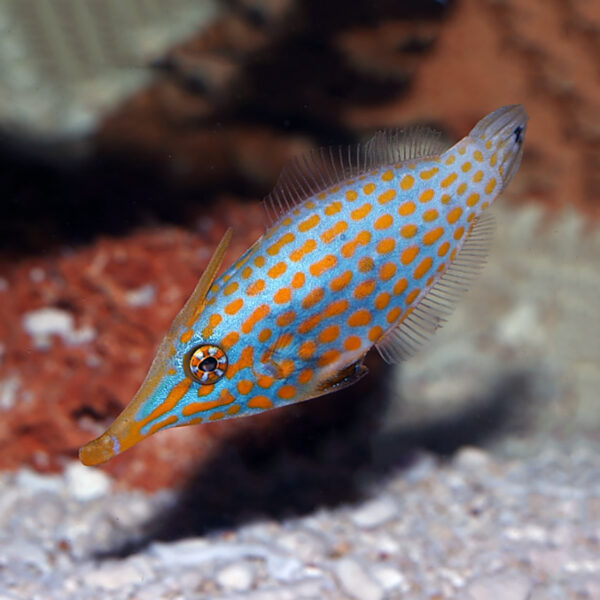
[366, 247]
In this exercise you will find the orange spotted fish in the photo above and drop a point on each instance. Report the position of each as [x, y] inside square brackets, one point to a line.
[365, 246]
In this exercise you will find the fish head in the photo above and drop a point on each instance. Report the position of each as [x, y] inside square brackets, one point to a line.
[184, 373]
[500, 136]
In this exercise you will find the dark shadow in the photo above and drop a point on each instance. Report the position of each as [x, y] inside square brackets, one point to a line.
[322, 455]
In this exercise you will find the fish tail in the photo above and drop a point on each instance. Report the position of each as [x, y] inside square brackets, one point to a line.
[502, 133]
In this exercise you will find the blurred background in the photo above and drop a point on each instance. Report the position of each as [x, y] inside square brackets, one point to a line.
[132, 135]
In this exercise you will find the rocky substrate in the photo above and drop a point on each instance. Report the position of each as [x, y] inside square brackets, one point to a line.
[474, 528]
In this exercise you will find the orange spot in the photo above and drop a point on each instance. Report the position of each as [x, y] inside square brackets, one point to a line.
[493, 159]
[286, 318]
[362, 238]
[364, 289]
[307, 349]
[230, 288]
[352, 342]
[224, 399]
[336, 308]
[244, 386]
[333, 208]
[459, 233]
[298, 280]
[450, 160]
[178, 391]
[259, 261]
[299, 253]
[187, 336]
[491, 184]
[466, 166]
[310, 204]
[256, 287]
[232, 410]
[330, 234]
[384, 221]
[473, 199]
[400, 286]
[409, 254]
[309, 324]
[287, 392]
[428, 173]
[246, 272]
[369, 188]
[461, 189]
[359, 318]
[407, 182]
[412, 296]
[433, 236]
[282, 296]
[462, 150]
[260, 402]
[264, 381]
[478, 156]
[277, 270]
[233, 307]
[408, 231]
[478, 176]
[408, 208]
[257, 314]
[430, 215]
[471, 217]
[382, 300]
[329, 334]
[305, 376]
[360, 213]
[351, 195]
[445, 198]
[423, 267]
[387, 271]
[246, 360]
[426, 195]
[264, 335]
[365, 264]
[393, 315]
[387, 176]
[288, 238]
[484, 205]
[162, 424]
[309, 223]
[328, 357]
[340, 282]
[313, 297]
[454, 215]
[443, 249]
[375, 333]
[386, 245]
[325, 264]
[386, 196]
[449, 180]
[430, 281]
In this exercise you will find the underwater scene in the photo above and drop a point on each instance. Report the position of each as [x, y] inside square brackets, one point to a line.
[300, 300]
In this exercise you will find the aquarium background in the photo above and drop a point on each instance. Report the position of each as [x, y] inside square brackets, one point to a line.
[132, 134]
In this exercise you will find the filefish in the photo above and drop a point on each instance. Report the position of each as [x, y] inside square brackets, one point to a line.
[369, 245]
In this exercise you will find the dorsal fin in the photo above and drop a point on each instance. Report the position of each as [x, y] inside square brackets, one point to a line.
[408, 336]
[321, 169]
[195, 303]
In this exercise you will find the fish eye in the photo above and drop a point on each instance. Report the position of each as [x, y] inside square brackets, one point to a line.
[205, 364]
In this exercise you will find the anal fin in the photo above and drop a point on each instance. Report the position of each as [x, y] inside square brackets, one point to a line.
[429, 314]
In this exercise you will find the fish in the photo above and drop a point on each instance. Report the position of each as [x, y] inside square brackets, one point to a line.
[365, 246]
